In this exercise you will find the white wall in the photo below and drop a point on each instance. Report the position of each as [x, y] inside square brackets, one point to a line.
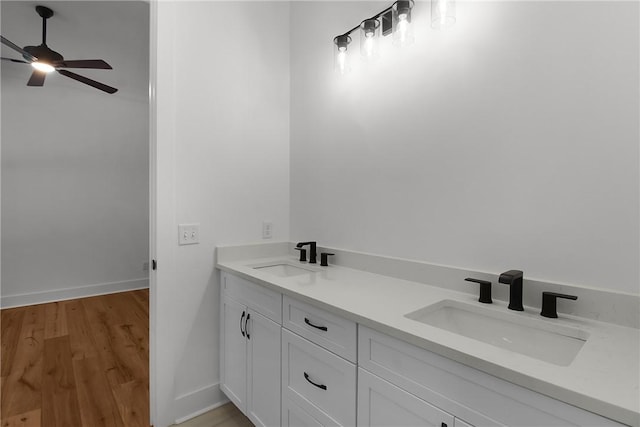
[223, 161]
[75, 169]
[510, 141]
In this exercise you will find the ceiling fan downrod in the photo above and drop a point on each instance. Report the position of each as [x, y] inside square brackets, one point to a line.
[45, 13]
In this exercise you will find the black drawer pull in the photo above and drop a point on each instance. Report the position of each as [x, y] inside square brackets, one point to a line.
[322, 386]
[241, 320]
[322, 328]
[246, 325]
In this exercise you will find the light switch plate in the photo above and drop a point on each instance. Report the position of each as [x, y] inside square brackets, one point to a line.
[188, 234]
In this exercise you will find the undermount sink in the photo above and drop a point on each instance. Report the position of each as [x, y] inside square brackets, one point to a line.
[283, 269]
[549, 342]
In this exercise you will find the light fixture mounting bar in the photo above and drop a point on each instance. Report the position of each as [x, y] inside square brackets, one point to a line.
[376, 16]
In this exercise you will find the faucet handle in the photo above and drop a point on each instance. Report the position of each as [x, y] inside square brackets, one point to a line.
[323, 258]
[303, 254]
[485, 290]
[549, 300]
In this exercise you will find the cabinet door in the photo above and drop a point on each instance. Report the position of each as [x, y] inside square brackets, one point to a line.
[233, 360]
[382, 404]
[263, 387]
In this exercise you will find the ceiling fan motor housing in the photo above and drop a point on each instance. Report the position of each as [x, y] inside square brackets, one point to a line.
[43, 53]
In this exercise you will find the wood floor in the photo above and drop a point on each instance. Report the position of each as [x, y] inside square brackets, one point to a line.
[77, 363]
[224, 416]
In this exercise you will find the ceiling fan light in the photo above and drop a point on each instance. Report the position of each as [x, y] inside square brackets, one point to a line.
[43, 66]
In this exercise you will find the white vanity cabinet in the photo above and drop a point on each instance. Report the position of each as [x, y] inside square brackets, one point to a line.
[318, 367]
[250, 337]
[287, 362]
[417, 383]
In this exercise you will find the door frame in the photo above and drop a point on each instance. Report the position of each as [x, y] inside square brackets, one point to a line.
[162, 212]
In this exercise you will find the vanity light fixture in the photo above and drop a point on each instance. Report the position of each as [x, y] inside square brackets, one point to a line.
[443, 14]
[395, 19]
[401, 19]
[341, 56]
[369, 38]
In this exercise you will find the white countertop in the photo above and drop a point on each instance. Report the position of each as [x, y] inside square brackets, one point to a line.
[603, 378]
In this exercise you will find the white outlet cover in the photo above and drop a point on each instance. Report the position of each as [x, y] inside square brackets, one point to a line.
[267, 229]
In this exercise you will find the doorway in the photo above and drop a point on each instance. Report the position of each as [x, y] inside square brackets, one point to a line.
[75, 173]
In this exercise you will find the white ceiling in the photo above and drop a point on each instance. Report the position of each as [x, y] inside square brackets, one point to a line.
[116, 31]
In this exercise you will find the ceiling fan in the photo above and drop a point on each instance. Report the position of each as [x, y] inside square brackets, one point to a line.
[45, 60]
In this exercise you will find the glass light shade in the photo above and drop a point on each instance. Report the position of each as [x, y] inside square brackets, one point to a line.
[340, 54]
[443, 14]
[401, 22]
[42, 66]
[369, 38]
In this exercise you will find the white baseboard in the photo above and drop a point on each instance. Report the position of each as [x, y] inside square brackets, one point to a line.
[8, 301]
[195, 403]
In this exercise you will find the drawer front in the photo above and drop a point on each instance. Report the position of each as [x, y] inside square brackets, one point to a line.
[382, 404]
[294, 416]
[328, 330]
[472, 395]
[256, 297]
[459, 423]
[315, 377]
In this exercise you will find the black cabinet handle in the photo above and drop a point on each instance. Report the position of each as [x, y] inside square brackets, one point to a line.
[308, 322]
[322, 386]
[241, 320]
[246, 325]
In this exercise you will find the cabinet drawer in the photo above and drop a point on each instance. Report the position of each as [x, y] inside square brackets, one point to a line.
[474, 396]
[382, 404]
[314, 377]
[256, 297]
[295, 416]
[328, 330]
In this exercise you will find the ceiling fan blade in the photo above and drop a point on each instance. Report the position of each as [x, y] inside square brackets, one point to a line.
[15, 60]
[88, 81]
[84, 63]
[37, 78]
[18, 49]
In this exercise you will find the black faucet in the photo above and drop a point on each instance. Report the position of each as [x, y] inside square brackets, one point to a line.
[312, 250]
[513, 278]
